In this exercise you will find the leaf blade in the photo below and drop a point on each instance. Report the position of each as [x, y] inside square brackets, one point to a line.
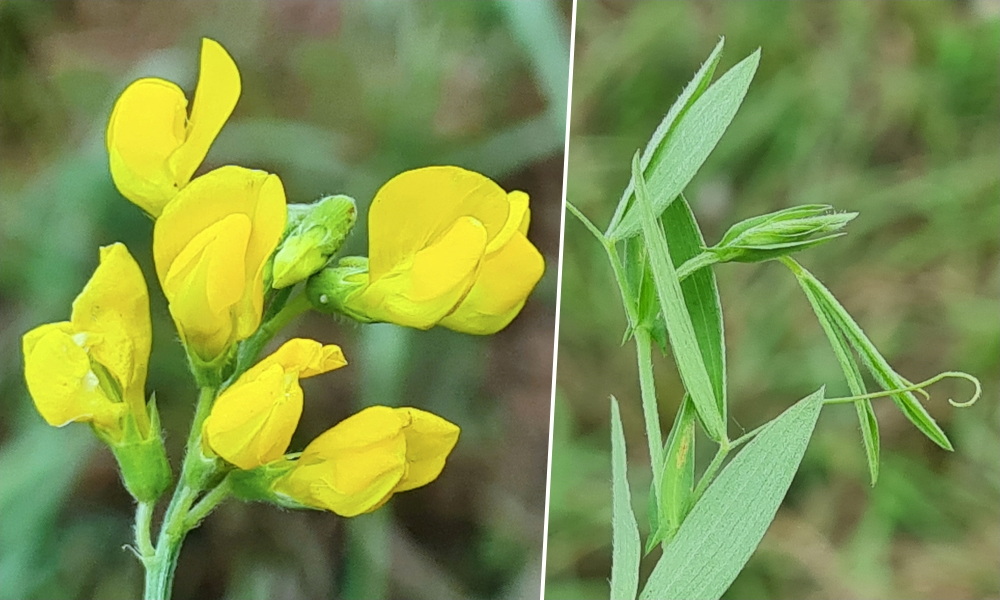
[625, 546]
[719, 535]
[689, 143]
[680, 329]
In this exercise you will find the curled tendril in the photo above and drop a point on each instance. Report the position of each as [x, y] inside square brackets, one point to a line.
[919, 388]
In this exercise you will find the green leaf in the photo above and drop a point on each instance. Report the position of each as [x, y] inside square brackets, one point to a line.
[654, 148]
[677, 479]
[726, 525]
[687, 144]
[701, 294]
[842, 349]
[683, 340]
[624, 529]
[881, 371]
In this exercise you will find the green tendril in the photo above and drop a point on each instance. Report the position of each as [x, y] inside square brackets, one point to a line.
[919, 388]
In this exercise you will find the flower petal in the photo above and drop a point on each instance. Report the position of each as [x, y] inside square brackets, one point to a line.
[429, 441]
[61, 382]
[215, 98]
[252, 422]
[113, 311]
[416, 207]
[353, 467]
[304, 357]
[505, 280]
[210, 246]
[426, 288]
[147, 125]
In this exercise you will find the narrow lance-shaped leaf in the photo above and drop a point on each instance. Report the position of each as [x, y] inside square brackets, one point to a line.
[683, 342]
[625, 554]
[701, 294]
[654, 148]
[842, 349]
[728, 522]
[690, 142]
[673, 501]
[881, 371]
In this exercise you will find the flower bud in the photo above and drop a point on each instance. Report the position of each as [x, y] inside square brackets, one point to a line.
[315, 233]
[780, 233]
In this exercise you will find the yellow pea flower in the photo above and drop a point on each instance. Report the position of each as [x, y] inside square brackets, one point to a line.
[356, 466]
[210, 246]
[447, 247]
[92, 368]
[252, 421]
[154, 147]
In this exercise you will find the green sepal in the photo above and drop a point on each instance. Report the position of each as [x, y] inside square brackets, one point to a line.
[143, 461]
[329, 290]
[257, 485]
[315, 232]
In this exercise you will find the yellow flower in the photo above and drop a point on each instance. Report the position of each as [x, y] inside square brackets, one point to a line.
[253, 420]
[92, 368]
[446, 247]
[356, 466]
[153, 146]
[210, 246]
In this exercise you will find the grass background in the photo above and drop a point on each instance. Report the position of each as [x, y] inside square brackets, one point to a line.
[886, 108]
[337, 97]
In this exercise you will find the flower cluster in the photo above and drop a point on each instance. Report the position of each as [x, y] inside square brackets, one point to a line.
[446, 247]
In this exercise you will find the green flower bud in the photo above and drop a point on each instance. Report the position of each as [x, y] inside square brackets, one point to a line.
[329, 289]
[143, 461]
[314, 234]
[769, 236]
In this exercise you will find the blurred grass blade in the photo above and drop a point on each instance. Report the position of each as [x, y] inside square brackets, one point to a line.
[881, 371]
[689, 143]
[842, 349]
[683, 341]
[692, 91]
[677, 480]
[541, 30]
[726, 525]
[624, 529]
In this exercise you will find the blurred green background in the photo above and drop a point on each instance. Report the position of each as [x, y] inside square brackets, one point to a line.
[886, 108]
[337, 97]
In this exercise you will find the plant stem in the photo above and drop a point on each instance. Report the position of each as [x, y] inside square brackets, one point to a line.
[162, 564]
[696, 262]
[250, 348]
[208, 503]
[143, 523]
[647, 388]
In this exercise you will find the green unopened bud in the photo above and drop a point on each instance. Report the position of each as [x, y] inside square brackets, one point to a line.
[769, 236]
[314, 234]
[329, 289]
[143, 460]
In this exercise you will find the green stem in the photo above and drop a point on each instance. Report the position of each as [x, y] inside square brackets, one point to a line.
[208, 503]
[713, 467]
[161, 566]
[143, 524]
[709, 475]
[251, 347]
[647, 388]
[696, 262]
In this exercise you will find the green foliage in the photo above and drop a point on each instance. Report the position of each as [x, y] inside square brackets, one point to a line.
[728, 522]
[624, 529]
[702, 557]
